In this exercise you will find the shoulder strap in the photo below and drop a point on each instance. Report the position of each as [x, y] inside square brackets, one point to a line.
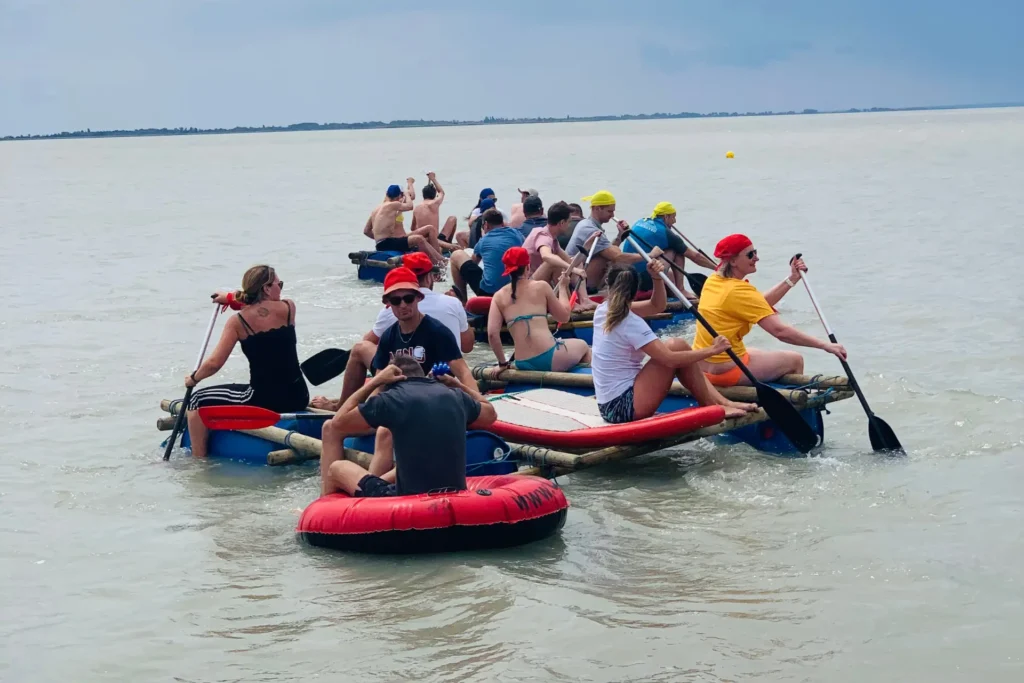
[291, 310]
[248, 329]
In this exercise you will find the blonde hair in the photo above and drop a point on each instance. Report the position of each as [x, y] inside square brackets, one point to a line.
[253, 282]
[623, 283]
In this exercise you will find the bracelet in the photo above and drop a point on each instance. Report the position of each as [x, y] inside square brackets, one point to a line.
[193, 376]
[790, 283]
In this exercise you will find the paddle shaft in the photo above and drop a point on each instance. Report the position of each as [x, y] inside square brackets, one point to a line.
[687, 240]
[690, 307]
[832, 338]
[179, 423]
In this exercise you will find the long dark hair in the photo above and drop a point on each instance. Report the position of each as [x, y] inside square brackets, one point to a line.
[623, 284]
[515, 275]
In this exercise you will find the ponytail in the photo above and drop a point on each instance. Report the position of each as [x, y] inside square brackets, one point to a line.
[253, 282]
[623, 284]
[515, 275]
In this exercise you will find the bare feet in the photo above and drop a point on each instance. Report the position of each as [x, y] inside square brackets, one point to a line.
[585, 306]
[323, 403]
[736, 409]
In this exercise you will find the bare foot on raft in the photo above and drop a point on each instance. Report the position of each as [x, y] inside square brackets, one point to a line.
[734, 409]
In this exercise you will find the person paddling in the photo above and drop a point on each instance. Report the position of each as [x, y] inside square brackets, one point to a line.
[625, 388]
[525, 304]
[265, 327]
[602, 210]
[656, 231]
[547, 258]
[733, 306]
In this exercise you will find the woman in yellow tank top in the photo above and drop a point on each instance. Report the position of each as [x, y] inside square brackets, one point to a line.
[733, 306]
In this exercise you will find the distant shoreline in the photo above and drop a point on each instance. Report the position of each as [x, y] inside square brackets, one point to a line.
[486, 121]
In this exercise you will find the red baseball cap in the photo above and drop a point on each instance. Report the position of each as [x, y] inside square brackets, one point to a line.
[418, 262]
[514, 259]
[729, 246]
[401, 278]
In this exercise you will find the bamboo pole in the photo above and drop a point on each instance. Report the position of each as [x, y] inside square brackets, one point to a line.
[501, 377]
[289, 456]
[303, 447]
[165, 423]
[816, 381]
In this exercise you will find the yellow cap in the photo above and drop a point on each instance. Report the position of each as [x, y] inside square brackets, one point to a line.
[663, 209]
[600, 198]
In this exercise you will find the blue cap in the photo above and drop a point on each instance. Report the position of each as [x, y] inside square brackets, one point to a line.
[486, 204]
[486, 192]
[394, 192]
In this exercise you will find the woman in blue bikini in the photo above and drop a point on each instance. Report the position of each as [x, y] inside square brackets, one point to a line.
[525, 305]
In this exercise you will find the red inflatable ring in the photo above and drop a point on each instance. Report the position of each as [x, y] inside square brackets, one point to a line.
[478, 305]
[494, 512]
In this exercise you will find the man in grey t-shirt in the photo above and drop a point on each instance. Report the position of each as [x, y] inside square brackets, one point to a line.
[427, 418]
[602, 210]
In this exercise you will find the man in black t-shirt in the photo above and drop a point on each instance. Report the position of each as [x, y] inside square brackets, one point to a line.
[416, 334]
[428, 418]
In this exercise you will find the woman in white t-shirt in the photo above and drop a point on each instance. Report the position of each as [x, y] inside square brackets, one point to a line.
[625, 388]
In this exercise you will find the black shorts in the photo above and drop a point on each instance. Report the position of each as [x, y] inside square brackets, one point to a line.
[472, 273]
[371, 486]
[394, 244]
[675, 243]
[222, 395]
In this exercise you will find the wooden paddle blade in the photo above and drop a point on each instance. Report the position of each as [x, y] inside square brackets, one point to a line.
[696, 281]
[325, 366]
[882, 437]
[238, 417]
[787, 418]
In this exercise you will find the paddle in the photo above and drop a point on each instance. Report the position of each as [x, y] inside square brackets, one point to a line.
[881, 434]
[325, 365]
[179, 423]
[249, 417]
[775, 404]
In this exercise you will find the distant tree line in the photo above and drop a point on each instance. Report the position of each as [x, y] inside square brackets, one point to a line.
[423, 123]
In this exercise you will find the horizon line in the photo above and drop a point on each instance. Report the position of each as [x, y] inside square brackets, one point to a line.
[486, 121]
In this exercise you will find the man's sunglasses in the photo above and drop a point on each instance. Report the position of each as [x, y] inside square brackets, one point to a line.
[405, 299]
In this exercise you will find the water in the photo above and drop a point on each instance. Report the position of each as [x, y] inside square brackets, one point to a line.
[708, 563]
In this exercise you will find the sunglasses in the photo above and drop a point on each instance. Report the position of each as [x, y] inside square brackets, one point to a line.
[752, 253]
[406, 299]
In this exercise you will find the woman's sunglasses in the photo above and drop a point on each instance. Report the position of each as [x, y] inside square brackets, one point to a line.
[752, 253]
[406, 299]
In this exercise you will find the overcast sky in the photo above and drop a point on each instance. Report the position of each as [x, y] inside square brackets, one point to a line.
[110, 64]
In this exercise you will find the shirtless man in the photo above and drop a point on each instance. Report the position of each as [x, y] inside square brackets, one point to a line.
[383, 227]
[429, 213]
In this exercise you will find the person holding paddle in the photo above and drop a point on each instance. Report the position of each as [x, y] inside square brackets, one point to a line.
[733, 306]
[525, 305]
[625, 388]
[547, 258]
[265, 328]
[656, 231]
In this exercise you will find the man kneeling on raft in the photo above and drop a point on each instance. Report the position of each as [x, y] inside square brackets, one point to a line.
[428, 419]
[384, 225]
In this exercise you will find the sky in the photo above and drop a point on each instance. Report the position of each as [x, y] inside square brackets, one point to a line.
[104, 64]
